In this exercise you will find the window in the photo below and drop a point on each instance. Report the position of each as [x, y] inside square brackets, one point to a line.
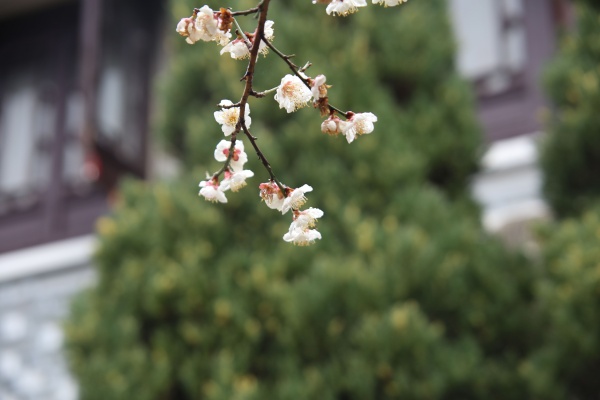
[129, 41]
[502, 47]
[49, 81]
[491, 36]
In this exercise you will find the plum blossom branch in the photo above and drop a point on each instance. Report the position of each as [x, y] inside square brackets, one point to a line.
[294, 92]
[249, 76]
[263, 93]
[240, 31]
[242, 105]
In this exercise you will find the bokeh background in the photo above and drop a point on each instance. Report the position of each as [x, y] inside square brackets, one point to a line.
[459, 255]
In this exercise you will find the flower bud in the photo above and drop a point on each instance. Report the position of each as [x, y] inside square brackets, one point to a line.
[332, 125]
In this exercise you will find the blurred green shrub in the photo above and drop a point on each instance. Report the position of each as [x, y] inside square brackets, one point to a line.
[565, 365]
[419, 304]
[571, 153]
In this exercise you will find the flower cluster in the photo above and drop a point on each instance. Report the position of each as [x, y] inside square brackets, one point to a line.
[234, 172]
[354, 126]
[293, 94]
[347, 7]
[295, 91]
[206, 25]
[301, 230]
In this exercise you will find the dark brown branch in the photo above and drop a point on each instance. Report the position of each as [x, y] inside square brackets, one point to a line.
[249, 76]
[263, 159]
[247, 12]
[262, 7]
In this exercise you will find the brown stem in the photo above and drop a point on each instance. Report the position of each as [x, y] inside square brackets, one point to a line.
[263, 8]
[263, 159]
[247, 12]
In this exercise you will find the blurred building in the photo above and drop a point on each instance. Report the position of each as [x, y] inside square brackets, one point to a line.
[503, 47]
[75, 99]
[75, 84]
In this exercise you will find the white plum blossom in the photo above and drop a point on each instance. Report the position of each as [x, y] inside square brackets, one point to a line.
[389, 3]
[229, 117]
[358, 124]
[187, 28]
[295, 198]
[332, 125]
[301, 237]
[212, 191]
[235, 180]
[269, 33]
[222, 38]
[307, 218]
[318, 87]
[344, 7]
[292, 93]
[272, 195]
[237, 48]
[240, 49]
[301, 232]
[239, 157]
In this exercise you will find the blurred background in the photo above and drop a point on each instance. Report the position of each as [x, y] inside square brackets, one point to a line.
[429, 282]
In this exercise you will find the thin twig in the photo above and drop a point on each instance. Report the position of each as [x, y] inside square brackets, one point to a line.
[240, 31]
[249, 76]
[229, 156]
[247, 12]
[263, 159]
[263, 93]
[306, 66]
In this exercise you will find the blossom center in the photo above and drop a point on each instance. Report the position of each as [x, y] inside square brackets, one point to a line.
[361, 126]
[231, 116]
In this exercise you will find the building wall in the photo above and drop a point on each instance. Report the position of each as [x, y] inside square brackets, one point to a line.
[36, 288]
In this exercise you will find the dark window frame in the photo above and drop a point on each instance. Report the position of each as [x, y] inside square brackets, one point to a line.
[54, 214]
[517, 110]
[64, 211]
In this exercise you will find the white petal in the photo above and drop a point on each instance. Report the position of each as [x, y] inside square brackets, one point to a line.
[275, 203]
[305, 188]
[350, 135]
[223, 145]
[227, 129]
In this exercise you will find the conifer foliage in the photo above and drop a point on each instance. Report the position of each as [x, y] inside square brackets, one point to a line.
[569, 300]
[569, 295]
[571, 155]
